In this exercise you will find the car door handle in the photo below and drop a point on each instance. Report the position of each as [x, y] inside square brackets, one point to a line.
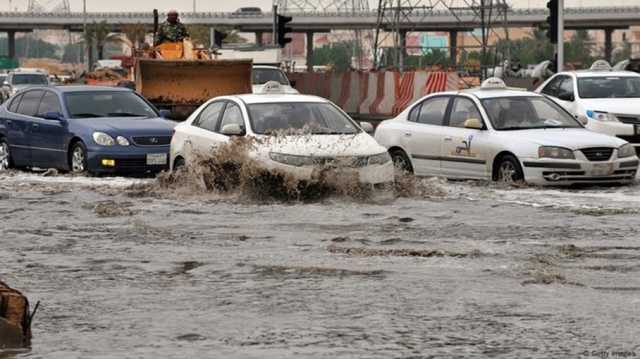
[187, 142]
[448, 139]
[35, 125]
[407, 134]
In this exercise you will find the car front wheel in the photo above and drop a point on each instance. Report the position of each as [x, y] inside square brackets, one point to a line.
[5, 155]
[401, 161]
[78, 158]
[509, 170]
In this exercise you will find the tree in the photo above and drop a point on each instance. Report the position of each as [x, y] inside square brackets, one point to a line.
[338, 55]
[431, 57]
[200, 35]
[96, 35]
[532, 49]
[578, 50]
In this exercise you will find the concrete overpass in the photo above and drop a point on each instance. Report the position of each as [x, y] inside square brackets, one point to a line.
[605, 18]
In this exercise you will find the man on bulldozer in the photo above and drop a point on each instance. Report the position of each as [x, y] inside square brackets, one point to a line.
[172, 30]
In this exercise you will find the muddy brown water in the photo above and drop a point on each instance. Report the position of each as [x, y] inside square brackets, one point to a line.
[473, 271]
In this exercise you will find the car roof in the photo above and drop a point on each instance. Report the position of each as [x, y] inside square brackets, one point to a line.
[493, 93]
[591, 73]
[277, 98]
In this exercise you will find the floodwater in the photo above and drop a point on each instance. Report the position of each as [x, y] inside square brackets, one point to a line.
[464, 270]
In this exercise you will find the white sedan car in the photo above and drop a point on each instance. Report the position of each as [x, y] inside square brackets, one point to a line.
[610, 100]
[297, 135]
[493, 132]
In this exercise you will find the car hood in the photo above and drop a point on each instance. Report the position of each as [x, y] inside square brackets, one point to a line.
[320, 145]
[572, 138]
[628, 106]
[128, 126]
[287, 89]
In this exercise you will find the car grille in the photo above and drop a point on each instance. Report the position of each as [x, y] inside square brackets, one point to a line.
[352, 162]
[597, 153]
[152, 140]
[630, 119]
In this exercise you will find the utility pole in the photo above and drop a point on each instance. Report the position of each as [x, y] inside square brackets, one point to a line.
[194, 6]
[275, 24]
[84, 31]
[560, 35]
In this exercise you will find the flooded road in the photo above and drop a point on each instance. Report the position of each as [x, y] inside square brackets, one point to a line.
[471, 271]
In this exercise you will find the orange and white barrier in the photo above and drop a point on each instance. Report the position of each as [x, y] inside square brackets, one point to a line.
[375, 94]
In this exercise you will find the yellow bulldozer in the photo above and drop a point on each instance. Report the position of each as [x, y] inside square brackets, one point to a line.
[179, 77]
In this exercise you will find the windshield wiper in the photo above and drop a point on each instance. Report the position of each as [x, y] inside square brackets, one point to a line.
[86, 115]
[126, 114]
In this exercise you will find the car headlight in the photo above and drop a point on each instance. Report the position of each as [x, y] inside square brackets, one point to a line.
[292, 160]
[122, 141]
[555, 152]
[379, 159]
[602, 116]
[103, 139]
[627, 150]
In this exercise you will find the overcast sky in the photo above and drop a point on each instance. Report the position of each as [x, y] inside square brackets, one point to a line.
[230, 5]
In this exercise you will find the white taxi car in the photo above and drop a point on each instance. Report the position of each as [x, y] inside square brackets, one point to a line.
[610, 100]
[493, 132]
[298, 134]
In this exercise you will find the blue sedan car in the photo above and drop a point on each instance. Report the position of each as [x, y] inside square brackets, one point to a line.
[83, 129]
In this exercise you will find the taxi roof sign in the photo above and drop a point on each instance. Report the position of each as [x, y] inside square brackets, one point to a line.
[600, 65]
[272, 87]
[493, 83]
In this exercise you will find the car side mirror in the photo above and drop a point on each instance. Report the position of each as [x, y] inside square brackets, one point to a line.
[292, 83]
[232, 129]
[165, 114]
[583, 119]
[474, 124]
[566, 96]
[367, 127]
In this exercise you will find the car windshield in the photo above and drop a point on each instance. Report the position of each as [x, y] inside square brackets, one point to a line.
[527, 112]
[262, 76]
[107, 104]
[609, 87]
[315, 118]
[30, 79]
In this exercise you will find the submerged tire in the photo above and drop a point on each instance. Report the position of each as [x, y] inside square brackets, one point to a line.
[401, 161]
[178, 163]
[508, 170]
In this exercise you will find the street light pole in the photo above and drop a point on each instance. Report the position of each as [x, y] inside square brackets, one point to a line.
[560, 59]
[84, 31]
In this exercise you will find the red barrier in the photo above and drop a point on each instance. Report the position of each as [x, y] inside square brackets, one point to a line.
[378, 94]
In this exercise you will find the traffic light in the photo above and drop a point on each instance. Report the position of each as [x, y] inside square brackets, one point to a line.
[283, 30]
[552, 20]
[218, 36]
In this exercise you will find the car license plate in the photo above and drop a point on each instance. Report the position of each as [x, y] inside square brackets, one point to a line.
[602, 169]
[155, 159]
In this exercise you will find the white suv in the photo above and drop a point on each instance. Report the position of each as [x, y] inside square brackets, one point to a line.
[610, 100]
